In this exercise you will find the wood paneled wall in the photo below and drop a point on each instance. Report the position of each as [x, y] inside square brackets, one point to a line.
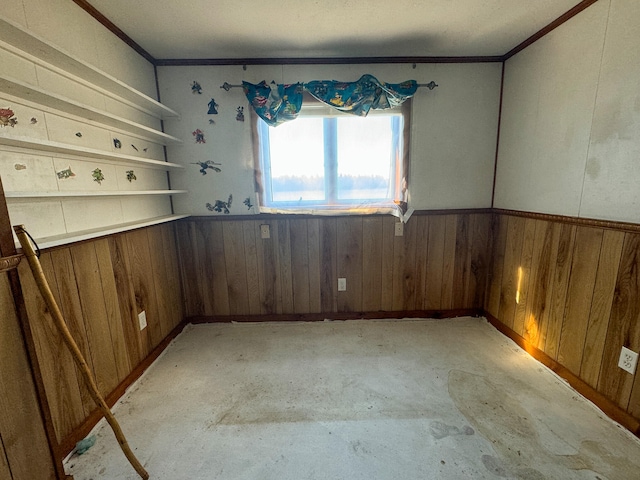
[440, 263]
[101, 286]
[572, 291]
[24, 450]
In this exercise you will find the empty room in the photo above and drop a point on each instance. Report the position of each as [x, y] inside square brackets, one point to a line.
[319, 240]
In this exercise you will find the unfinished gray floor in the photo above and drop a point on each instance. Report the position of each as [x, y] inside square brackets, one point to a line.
[402, 399]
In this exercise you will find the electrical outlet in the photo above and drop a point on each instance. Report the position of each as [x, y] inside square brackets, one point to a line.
[628, 360]
[399, 229]
[142, 319]
[264, 231]
[342, 284]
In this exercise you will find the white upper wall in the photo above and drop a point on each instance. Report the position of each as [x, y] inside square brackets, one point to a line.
[453, 141]
[66, 25]
[570, 129]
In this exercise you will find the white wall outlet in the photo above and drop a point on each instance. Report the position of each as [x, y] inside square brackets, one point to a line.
[142, 319]
[342, 284]
[399, 229]
[264, 231]
[628, 360]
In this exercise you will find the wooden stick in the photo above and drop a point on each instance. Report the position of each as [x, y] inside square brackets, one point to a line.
[58, 319]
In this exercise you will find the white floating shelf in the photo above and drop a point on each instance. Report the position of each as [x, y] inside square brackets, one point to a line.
[36, 46]
[77, 193]
[37, 95]
[67, 149]
[57, 240]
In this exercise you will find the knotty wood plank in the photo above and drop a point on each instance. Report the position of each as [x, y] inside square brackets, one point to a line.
[553, 248]
[267, 271]
[329, 264]
[538, 281]
[513, 251]
[250, 230]
[72, 310]
[410, 271]
[214, 272]
[284, 262]
[479, 249]
[462, 262]
[57, 366]
[159, 256]
[601, 303]
[499, 232]
[435, 263]
[119, 249]
[524, 273]
[397, 283]
[190, 260]
[586, 253]
[388, 241]
[87, 271]
[23, 436]
[421, 252]
[313, 238]
[372, 264]
[299, 264]
[624, 324]
[349, 266]
[560, 286]
[113, 309]
[144, 285]
[234, 255]
[448, 265]
[173, 285]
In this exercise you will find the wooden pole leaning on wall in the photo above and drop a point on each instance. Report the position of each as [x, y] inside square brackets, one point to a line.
[56, 314]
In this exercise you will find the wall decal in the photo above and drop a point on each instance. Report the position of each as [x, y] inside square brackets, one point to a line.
[33, 120]
[247, 202]
[117, 143]
[79, 134]
[196, 88]
[145, 149]
[208, 164]
[131, 176]
[66, 173]
[220, 206]
[199, 134]
[7, 118]
[20, 166]
[212, 107]
[240, 114]
[134, 147]
[97, 176]
[212, 121]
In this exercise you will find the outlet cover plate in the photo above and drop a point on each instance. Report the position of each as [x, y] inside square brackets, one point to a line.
[142, 319]
[342, 284]
[628, 360]
[264, 231]
[399, 229]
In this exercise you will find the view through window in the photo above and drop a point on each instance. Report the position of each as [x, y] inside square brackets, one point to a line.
[332, 160]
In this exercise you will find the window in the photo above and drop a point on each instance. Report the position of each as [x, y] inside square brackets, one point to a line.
[329, 160]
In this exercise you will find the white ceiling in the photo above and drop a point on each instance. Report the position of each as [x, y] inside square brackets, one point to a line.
[220, 29]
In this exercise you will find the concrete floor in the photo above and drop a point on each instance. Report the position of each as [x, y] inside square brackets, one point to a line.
[401, 399]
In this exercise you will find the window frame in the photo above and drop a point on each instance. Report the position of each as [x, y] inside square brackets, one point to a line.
[315, 108]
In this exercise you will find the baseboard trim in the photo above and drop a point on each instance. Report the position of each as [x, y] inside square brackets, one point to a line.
[69, 442]
[609, 408]
[319, 317]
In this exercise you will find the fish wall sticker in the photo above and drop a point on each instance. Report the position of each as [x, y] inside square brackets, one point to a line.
[66, 173]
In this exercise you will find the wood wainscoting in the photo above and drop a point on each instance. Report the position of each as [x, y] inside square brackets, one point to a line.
[571, 289]
[439, 264]
[101, 286]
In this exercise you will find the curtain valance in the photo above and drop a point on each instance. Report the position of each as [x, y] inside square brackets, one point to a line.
[277, 103]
